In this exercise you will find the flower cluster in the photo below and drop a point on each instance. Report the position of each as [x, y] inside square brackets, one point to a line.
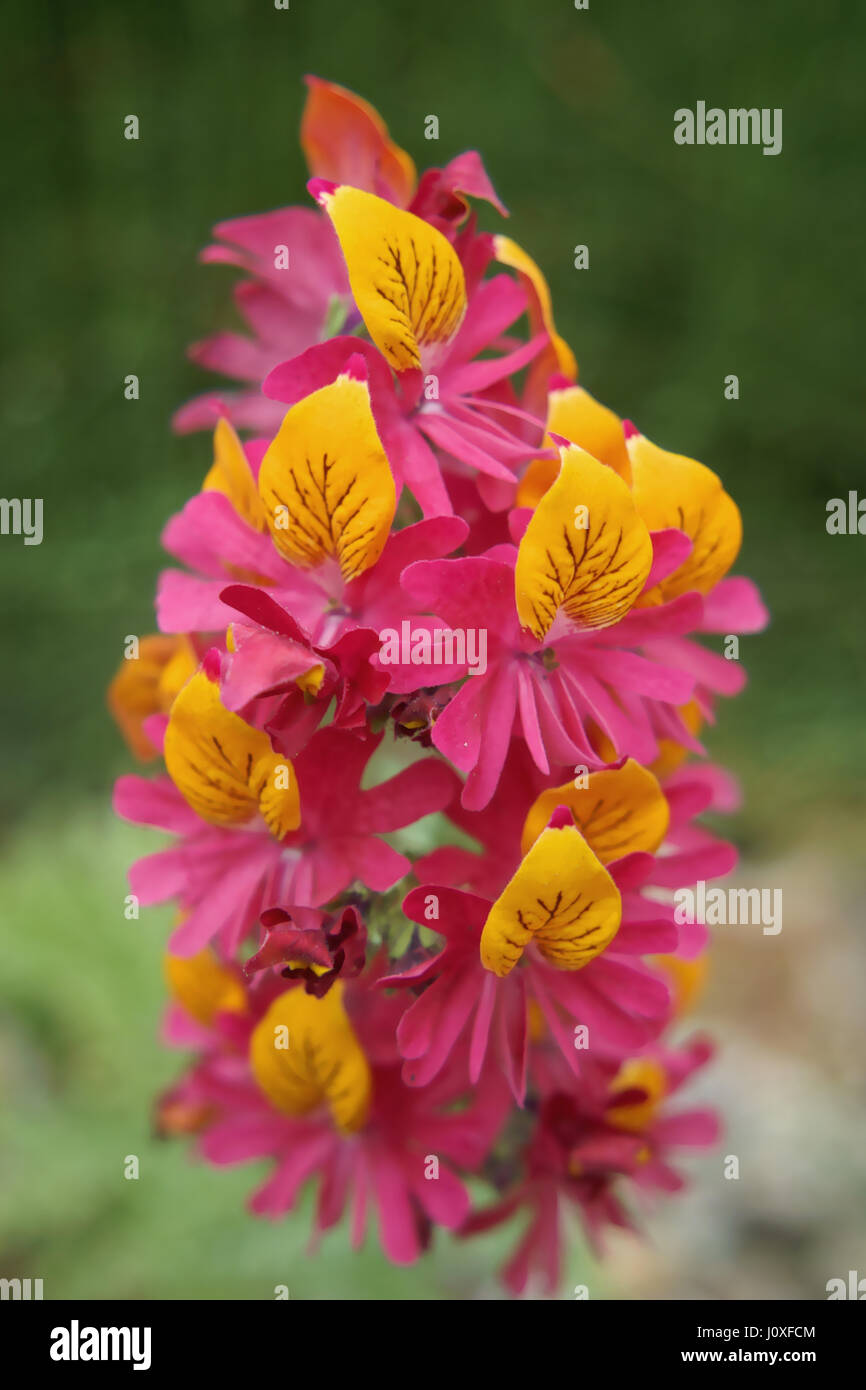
[428, 577]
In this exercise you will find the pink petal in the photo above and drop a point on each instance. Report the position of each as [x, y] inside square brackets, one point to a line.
[157, 803]
[735, 605]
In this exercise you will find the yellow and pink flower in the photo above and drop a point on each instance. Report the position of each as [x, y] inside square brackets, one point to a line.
[396, 968]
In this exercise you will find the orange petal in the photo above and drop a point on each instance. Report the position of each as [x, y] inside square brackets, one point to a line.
[175, 674]
[600, 743]
[672, 490]
[585, 549]
[325, 482]
[620, 811]
[406, 278]
[222, 767]
[671, 753]
[508, 253]
[344, 139]
[146, 685]
[537, 480]
[561, 898]
[304, 1053]
[686, 978]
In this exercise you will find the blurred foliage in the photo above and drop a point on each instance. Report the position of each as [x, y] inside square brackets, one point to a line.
[703, 262]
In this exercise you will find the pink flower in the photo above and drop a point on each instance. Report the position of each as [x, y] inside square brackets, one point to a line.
[546, 691]
[396, 1153]
[466, 423]
[733, 607]
[298, 280]
[223, 879]
[273, 652]
[588, 1146]
[541, 629]
[222, 538]
[310, 945]
[298, 292]
[345, 140]
[622, 1003]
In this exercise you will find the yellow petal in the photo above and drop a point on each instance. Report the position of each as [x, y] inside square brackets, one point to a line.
[585, 549]
[231, 475]
[204, 987]
[561, 898]
[146, 685]
[508, 253]
[579, 417]
[325, 482]
[304, 1053]
[311, 681]
[537, 480]
[222, 767]
[274, 783]
[672, 490]
[406, 278]
[621, 811]
[600, 743]
[176, 673]
[645, 1074]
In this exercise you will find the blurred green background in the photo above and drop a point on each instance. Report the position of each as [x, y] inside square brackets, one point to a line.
[703, 262]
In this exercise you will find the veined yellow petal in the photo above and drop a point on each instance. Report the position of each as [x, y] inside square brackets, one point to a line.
[561, 898]
[638, 1073]
[304, 1053]
[672, 490]
[204, 987]
[585, 549]
[230, 474]
[325, 482]
[621, 811]
[274, 783]
[508, 253]
[406, 278]
[222, 767]
[576, 415]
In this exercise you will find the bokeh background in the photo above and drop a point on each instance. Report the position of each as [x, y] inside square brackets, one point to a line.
[703, 262]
